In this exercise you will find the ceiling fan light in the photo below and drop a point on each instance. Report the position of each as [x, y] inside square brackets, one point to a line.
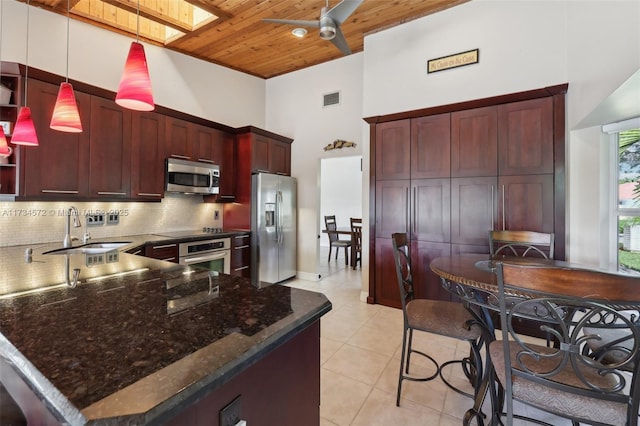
[24, 133]
[65, 116]
[327, 33]
[134, 91]
[299, 32]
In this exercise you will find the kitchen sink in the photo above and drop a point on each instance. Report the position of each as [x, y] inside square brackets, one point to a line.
[91, 248]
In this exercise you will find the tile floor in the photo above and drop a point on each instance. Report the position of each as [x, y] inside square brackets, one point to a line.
[360, 358]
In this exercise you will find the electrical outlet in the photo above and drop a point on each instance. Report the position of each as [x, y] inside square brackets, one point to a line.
[230, 415]
[216, 215]
[95, 219]
[113, 218]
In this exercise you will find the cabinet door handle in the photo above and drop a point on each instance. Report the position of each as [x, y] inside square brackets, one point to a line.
[415, 210]
[163, 246]
[137, 252]
[56, 191]
[205, 160]
[504, 220]
[408, 211]
[184, 157]
[111, 193]
[282, 174]
[242, 247]
[227, 196]
[169, 259]
[241, 268]
[263, 171]
[149, 194]
[492, 206]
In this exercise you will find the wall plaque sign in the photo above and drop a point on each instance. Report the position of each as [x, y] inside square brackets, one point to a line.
[453, 61]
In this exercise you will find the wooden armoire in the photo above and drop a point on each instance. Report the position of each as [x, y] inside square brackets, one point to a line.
[448, 175]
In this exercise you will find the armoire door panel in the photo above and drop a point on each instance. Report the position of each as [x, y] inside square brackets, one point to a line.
[387, 291]
[427, 284]
[393, 145]
[474, 142]
[473, 209]
[526, 203]
[525, 135]
[431, 210]
[430, 146]
[392, 207]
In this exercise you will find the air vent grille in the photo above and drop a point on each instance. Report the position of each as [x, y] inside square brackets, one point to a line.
[331, 99]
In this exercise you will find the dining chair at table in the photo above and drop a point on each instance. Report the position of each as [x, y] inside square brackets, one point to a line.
[440, 317]
[335, 240]
[356, 241]
[570, 379]
[521, 243]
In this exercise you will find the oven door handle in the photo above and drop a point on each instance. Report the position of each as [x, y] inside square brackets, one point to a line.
[215, 256]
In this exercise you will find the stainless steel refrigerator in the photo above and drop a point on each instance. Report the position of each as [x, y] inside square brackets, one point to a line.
[273, 228]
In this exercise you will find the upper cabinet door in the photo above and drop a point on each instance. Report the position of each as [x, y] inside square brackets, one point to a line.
[525, 135]
[474, 142]
[179, 142]
[59, 166]
[147, 156]
[280, 157]
[260, 154]
[431, 146]
[110, 155]
[393, 150]
[207, 144]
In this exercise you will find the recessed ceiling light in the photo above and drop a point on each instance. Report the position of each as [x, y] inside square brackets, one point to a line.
[299, 32]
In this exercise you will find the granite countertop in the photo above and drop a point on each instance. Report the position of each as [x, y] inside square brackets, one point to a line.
[137, 338]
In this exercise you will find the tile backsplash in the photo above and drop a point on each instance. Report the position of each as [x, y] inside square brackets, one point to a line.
[44, 222]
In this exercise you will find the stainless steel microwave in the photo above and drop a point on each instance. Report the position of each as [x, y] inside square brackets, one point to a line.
[192, 177]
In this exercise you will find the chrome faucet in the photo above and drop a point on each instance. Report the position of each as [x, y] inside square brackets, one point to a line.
[72, 211]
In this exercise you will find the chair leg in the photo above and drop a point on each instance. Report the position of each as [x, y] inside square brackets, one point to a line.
[329, 258]
[346, 256]
[402, 357]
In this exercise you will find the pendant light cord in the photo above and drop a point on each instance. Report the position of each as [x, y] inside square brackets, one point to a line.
[67, 70]
[26, 61]
[137, 22]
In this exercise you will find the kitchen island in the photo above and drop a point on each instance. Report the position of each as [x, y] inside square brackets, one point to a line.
[137, 341]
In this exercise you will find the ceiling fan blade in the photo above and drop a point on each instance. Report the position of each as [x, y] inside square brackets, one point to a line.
[343, 10]
[293, 22]
[340, 42]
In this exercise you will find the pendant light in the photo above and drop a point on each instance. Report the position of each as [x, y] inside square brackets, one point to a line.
[65, 116]
[24, 133]
[4, 147]
[134, 91]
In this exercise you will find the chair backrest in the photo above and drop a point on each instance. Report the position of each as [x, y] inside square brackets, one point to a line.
[356, 232]
[402, 259]
[592, 318]
[521, 243]
[330, 225]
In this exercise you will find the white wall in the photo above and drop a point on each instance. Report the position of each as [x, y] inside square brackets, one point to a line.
[97, 57]
[294, 105]
[340, 191]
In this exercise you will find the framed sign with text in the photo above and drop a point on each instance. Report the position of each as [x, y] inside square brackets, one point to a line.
[453, 61]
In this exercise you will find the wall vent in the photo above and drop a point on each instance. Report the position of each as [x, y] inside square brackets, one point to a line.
[331, 99]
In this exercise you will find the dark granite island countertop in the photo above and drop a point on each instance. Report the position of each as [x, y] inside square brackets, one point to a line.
[136, 340]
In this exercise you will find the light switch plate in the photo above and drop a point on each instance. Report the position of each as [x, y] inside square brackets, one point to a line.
[113, 218]
[95, 219]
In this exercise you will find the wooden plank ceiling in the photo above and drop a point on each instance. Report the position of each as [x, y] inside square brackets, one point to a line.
[231, 32]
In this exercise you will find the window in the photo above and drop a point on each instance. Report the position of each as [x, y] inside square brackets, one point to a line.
[628, 199]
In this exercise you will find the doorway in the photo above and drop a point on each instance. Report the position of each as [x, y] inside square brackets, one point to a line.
[340, 195]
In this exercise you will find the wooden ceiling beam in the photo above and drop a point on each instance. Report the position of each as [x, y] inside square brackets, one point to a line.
[151, 14]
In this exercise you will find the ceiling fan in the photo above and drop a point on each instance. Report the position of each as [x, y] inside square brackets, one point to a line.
[329, 23]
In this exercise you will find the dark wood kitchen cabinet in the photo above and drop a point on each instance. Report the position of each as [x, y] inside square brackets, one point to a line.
[178, 138]
[241, 255]
[497, 163]
[269, 155]
[208, 144]
[162, 251]
[59, 167]
[110, 153]
[147, 155]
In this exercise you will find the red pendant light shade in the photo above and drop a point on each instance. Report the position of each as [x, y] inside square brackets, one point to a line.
[4, 148]
[65, 114]
[24, 133]
[135, 91]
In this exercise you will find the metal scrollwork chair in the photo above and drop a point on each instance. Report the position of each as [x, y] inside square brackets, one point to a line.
[586, 376]
[432, 316]
[521, 243]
